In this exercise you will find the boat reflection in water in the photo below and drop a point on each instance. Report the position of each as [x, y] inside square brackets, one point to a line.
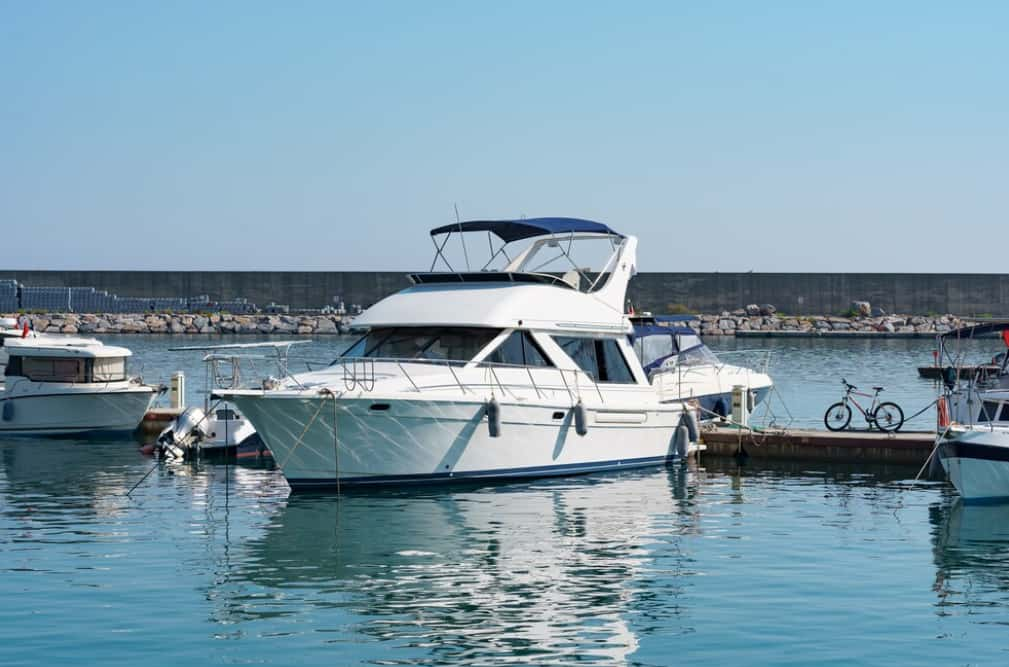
[525, 573]
[971, 554]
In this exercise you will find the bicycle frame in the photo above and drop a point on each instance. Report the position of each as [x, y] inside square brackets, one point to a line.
[848, 397]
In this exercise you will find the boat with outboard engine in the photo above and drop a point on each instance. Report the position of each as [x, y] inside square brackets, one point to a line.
[218, 430]
[973, 444]
[497, 373]
[681, 366]
[64, 385]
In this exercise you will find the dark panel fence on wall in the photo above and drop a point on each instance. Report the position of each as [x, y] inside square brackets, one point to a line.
[793, 293]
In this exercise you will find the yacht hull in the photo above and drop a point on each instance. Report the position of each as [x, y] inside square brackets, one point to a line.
[408, 441]
[47, 414]
[977, 463]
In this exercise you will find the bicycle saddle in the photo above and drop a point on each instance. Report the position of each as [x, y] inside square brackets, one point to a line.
[878, 388]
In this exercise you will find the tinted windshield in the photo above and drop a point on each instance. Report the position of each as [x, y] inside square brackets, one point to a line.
[442, 343]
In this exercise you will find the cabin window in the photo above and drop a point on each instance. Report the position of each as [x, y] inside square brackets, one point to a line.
[989, 411]
[458, 344]
[600, 358]
[109, 369]
[1004, 415]
[518, 349]
[49, 369]
[63, 369]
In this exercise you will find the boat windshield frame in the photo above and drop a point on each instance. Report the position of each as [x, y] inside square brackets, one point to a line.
[433, 335]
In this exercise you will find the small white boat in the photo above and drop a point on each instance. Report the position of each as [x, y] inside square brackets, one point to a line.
[498, 373]
[56, 385]
[681, 366]
[218, 429]
[974, 421]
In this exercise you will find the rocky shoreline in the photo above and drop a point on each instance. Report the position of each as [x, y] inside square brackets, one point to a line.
[164, 323]
[736, 323]
[896, 326]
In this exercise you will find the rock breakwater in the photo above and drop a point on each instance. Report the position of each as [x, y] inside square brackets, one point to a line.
[163, 323]
[736, 323]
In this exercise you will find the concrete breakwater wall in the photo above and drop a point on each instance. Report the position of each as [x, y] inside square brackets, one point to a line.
[793, 293]
[723, 324]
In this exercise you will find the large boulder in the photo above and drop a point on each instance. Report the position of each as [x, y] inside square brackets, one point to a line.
[767, 310]
[861, 308]
[326, 326]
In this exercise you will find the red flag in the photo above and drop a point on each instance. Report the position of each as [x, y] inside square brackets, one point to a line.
[1005, 337]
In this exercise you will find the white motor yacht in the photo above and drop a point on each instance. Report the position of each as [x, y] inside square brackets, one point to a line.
[681, 366]
[56, 385]
[974, 421]
[495, 373]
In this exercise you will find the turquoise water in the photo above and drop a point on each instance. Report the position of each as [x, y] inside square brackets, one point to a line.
[711, 564]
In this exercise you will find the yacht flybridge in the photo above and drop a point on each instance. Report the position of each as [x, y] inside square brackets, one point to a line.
[520, 368]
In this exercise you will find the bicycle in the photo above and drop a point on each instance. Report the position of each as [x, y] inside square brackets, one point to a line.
[886, 415]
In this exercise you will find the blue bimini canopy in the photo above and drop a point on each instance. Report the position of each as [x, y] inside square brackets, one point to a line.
[643, 330]
[515, 230]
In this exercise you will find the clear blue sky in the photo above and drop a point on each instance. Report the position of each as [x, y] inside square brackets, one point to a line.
[772, 136]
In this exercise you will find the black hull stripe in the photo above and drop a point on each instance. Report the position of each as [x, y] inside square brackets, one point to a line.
[469, 476]
[965, 450]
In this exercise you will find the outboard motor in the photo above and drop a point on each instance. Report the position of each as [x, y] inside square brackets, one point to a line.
[188, 430]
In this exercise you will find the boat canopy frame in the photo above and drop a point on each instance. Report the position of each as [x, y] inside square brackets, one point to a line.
[972, 332]
[559, 233]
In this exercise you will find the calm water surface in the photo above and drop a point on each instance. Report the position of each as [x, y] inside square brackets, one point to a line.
[711, 564]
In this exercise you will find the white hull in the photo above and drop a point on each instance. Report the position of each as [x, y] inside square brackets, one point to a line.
[711, 386]
[75, 412]
[414, 440]
[977, 462]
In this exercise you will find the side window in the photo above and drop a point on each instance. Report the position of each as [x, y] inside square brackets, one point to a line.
[614, 366]
[518, 349]
[1004, 417]
[599, 358]
[989, 411]
[582, 351]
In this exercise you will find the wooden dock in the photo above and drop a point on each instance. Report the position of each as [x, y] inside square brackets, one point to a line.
[912, 447]
[156, 420]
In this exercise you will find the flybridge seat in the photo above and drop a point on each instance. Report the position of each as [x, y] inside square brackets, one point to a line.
[489, 277]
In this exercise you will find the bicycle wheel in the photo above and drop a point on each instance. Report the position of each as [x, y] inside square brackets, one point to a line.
[837, 417]
[888, 417]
